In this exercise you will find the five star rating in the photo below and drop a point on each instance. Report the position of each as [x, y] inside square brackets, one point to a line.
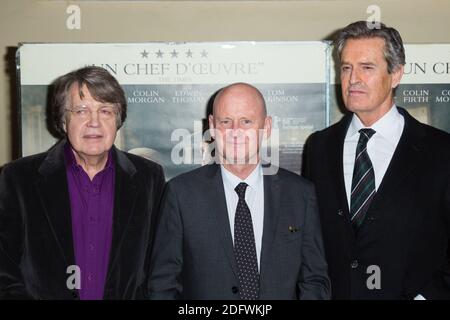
[174, 54]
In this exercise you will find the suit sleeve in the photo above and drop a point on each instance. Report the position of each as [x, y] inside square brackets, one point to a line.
[314, 283]
[167, 254]
[306, 157]
[11, 241]
[439, 286]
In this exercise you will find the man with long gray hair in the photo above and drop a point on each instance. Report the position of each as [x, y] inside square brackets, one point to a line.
[76, 221]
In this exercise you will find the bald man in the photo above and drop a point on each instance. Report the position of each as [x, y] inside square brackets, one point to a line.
[229, 231]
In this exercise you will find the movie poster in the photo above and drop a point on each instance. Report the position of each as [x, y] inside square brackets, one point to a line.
[169, 88]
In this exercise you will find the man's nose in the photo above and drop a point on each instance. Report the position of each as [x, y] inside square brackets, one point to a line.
[354, 76]
[93, 120]
[237, 130]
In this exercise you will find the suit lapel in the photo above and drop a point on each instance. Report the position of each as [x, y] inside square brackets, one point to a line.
[404, 160]
[335, 149]
[272, 195]
[54, 195]
[125, 193]
[217, 198]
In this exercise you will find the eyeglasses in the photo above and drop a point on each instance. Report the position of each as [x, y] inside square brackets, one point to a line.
[83, 112]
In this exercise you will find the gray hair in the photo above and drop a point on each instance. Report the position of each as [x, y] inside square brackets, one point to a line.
[101, 85]
[394, 52]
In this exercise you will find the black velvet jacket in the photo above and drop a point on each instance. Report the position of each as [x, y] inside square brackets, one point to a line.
[36, 245]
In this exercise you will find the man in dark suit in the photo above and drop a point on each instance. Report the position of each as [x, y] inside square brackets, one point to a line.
[76, 221]
[227, 231]
[382, 180]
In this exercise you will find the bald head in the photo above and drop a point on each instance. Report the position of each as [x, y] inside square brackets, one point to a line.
[242, 92]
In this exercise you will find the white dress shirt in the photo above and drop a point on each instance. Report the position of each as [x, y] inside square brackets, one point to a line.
[381, 146]
[254, 196]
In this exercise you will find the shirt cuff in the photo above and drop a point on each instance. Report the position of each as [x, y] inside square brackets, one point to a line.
[419, 297]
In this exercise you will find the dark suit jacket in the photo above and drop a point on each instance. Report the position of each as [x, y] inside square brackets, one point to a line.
[193, 251]
[36, 244]
[406, 229]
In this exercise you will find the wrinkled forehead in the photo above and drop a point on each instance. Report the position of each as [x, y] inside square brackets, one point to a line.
[373, 47]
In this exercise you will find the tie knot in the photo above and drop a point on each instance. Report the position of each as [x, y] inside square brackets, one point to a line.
[240, 190]
[366, 134]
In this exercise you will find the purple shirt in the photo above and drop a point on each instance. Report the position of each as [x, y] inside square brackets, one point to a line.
[92, 204]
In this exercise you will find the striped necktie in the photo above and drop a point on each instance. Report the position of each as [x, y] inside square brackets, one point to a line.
[363, 181]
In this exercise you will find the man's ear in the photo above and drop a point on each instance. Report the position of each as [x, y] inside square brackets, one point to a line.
[397, 75]
[268, 126]
[211, 125]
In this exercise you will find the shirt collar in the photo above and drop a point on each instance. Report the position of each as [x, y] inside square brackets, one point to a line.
[385, 126]
[252, 180]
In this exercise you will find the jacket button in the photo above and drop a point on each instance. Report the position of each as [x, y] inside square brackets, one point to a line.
[354, 264]
[235, 290]
[340, 212]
